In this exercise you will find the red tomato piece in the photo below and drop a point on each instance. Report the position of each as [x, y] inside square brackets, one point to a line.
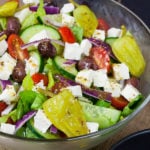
[67, 34]
[14, 43]
[3, 106]
[101, 57]
[37, 77]
[102, 24]
[119, 102]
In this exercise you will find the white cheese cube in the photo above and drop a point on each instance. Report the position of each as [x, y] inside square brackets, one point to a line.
[120, 71]
[113, 87]
[7, 64]
[39, 36]
[7, 128]
[100, 77]
[31, 65]
[76, 90]
[85, 77]
[86, 46]
[130, 92]
[21, 15]
[114, 32]
[9, 94]
[67, 8]
[68, 20]
[3, 47]
[31, 1]
[99, 34]
[92, 126]
[41, 122]
[8, 109]
[39, 85]
[72, 51]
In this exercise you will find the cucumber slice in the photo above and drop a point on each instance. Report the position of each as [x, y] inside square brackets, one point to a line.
[68, 70]
[37, 56]
[106, 117]
[39, 134]
[29, 32]
[111, 40]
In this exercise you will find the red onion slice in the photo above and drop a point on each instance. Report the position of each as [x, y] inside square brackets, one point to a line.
[24, 46]
[4, 83]
[53, 129]
[24, 119]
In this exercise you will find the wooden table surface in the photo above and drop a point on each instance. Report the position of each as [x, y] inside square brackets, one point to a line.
[140, 122]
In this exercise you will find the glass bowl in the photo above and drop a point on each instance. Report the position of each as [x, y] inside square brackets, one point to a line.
[116, 15]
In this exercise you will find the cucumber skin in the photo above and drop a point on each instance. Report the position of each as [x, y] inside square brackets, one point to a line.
[62, 70]
[106, 117]
[27, 33]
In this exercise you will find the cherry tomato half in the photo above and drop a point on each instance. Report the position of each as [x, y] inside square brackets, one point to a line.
[102, 24]
[101, 58]
[67, 34]
[119, 102]
[14, 43]
[37, 77]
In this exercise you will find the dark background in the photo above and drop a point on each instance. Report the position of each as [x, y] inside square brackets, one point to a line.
[140, 8]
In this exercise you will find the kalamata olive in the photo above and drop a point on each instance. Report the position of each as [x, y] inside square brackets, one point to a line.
[134, 81]
[46, 49]
[87, 63]
[13, 25]
[19, 71]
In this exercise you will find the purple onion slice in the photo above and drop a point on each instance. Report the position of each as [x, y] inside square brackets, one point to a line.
[24, 119]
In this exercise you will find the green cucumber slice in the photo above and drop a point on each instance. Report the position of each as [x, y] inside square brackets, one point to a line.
[68, 70]
[29, 32]
[106, 117]
[35, 54]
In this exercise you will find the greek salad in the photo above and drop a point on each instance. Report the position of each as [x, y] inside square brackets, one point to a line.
[64, 72]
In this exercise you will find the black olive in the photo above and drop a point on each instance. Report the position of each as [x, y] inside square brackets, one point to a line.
[87, 63]
[13, 25]
[46, 49]
[19, 71]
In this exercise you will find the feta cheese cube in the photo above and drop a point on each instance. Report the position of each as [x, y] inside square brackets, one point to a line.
[72, 51]
[76, 90]
[39, 85]
[130, 92]
[67, 8]
[3, 47]
[113, 87]
[7, 128]
[68, 20]
[31, 66]
[7, 64]
[31, 1]
[92, 126]
[99, 34]
[120, 71]
[114, 32]
[86, 46]
[21, 15]
[39, 36]
[100, 77]
[85, 77]
[9, 94]
[41, 122]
